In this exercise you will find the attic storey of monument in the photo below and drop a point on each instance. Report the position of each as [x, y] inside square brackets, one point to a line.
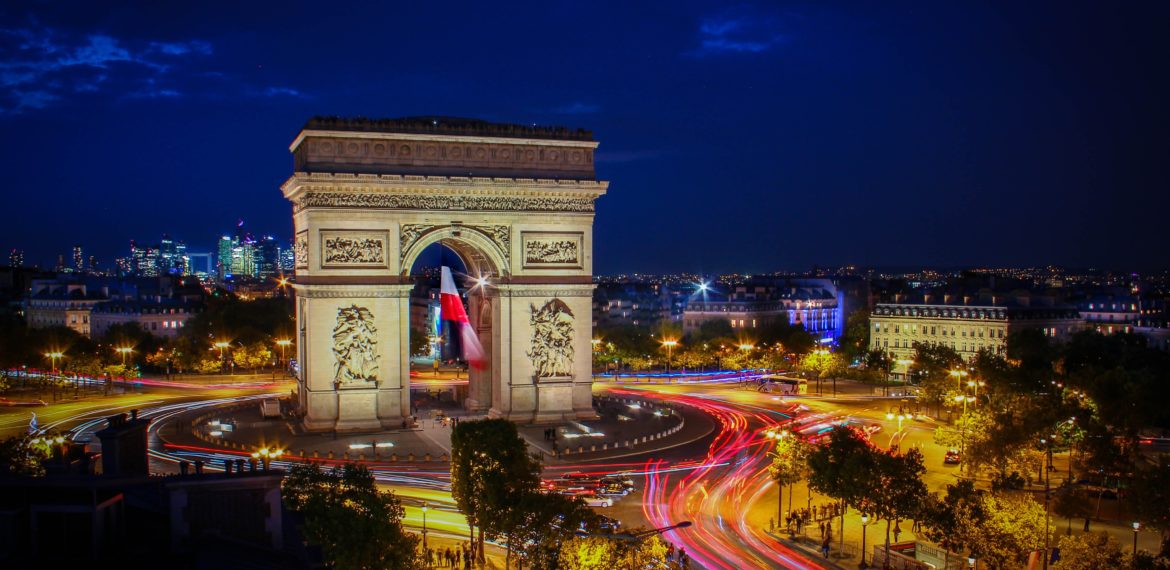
[515, 203]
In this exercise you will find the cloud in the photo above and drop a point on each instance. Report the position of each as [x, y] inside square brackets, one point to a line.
[181, 48]
[577, 108]
[736, 31]
[283, 92]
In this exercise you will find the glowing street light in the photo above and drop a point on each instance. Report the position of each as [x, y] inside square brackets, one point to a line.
[669, 344]
[53, 356]
[746, 346]
[424, 512]
[283, 344]
[864, 527]
[124, 350]
[704, 287]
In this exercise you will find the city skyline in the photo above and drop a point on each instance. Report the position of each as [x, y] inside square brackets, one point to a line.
[842, 135]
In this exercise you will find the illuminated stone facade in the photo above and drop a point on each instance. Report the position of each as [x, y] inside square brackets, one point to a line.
[966, 324]
[515, 203]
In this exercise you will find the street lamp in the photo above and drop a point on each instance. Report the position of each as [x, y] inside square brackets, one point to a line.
[1136, 527]
[283, 344]
[959, 374]
[636, 536]
[424, 512]
[221, 345]
[669, 344]
[864, 527]
[53, 356]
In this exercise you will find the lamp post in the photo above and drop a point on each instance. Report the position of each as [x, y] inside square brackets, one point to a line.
[669, 344]
[53, 356]
[864, 527]
[1136, 527]
[637, 536]
[424, 512]
[283, 344]
[221, 345]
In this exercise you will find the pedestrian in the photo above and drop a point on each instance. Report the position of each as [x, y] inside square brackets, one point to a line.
[825, 548]
[897, 531]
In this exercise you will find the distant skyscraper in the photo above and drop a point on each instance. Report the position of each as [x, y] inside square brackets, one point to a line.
[16, 257]
[60, 267]
[172, 257]
[223, 258]
[267, 257]
[92, 264]
[78, 259]
[288, 259]
[145, 260]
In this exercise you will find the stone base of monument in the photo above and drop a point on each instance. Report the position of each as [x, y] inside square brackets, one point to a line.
[357, 410]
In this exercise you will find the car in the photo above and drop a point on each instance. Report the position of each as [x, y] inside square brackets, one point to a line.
[613, 488]
[608, 524]
[597, 501]
[952, 457]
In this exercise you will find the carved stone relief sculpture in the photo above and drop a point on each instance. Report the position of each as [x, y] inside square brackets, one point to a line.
[301, 249]
[355, 346]
[552, 339]
[354, 251]
[552, 250]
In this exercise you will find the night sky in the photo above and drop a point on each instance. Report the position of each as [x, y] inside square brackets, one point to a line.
[751, 137]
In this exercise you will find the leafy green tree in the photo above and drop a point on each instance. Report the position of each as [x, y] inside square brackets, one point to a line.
[491, 472]
[599, 553]
[789, 466]
[251, 356]
[854, 341]
[896, 490]
[932, 368]
[420, 343]
[1089, 551]
[1072, 503]
[355, 524]
[1151, 495]
[541, 522]
[952, 519]
[1014, 527]
[24, 455]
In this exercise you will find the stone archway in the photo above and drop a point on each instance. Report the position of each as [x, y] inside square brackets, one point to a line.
[515, 203]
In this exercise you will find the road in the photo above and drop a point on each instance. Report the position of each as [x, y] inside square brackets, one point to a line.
[720, 482]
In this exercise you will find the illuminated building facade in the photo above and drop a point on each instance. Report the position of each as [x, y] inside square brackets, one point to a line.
[814, 304]
[968, 324]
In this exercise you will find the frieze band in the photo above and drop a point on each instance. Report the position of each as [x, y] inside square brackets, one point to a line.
[401, 202]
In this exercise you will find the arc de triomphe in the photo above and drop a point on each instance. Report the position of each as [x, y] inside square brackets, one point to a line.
[515, 203]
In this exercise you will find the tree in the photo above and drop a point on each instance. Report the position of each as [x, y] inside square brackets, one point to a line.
[1072, 503]
[420, 343]
[855, 339]
[952, 520]
[896, 491]
[24, 455]
[932, 368]
[600, 553]
[252, 356]
[541, 522]
[491, 472]
[1014, 527]
[1090, 551]
[1151, 495]
[789, 466]
[355, 524]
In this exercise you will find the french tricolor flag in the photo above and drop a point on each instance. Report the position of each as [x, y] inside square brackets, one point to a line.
[451, 309]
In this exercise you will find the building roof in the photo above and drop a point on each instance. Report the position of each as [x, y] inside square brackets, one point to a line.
[440, 125]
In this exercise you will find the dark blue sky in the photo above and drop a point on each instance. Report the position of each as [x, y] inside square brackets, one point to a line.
[743, 137]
